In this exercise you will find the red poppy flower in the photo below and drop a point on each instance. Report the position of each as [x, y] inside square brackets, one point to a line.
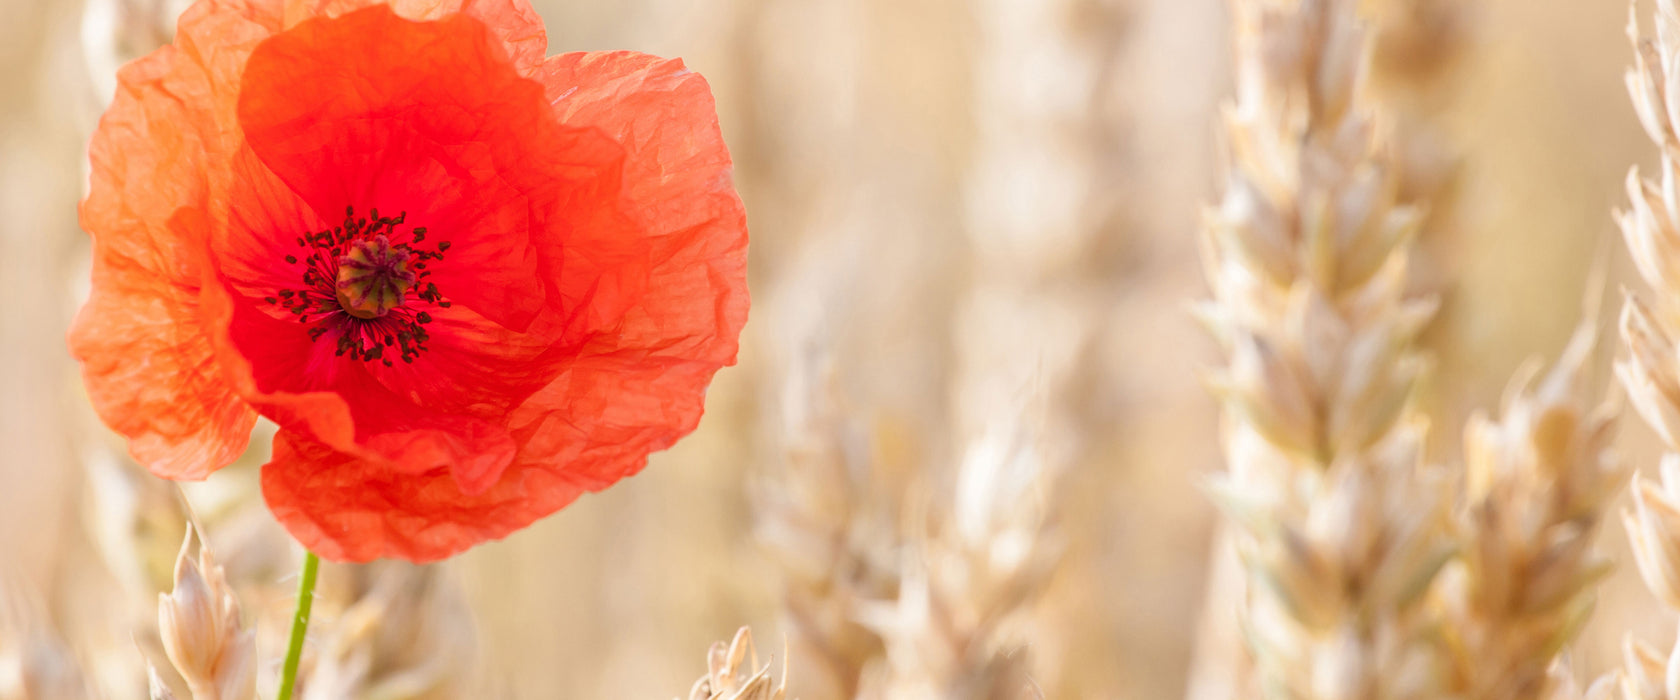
[466, 281]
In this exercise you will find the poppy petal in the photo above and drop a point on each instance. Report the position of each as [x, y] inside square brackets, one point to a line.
[569, 273]
[514, 23]
[431, 121]
[345, 509]
[639, 383]
[440, 409]
[215, 37]
[146, 363]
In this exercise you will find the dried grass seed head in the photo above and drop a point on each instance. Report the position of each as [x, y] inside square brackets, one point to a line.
[734, 673]
[199, 624]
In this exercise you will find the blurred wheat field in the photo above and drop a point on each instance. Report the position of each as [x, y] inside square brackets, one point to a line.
[964, 214]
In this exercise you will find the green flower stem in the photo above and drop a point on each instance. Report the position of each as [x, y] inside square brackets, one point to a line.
[300, 624]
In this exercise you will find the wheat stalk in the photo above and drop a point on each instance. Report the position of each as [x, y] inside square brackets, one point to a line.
[971, 570]
[1538, 482]
[1340, 525]
[404, 634]
[733, 673]
[1563, 686]
[978, 545]
[980, 556]
[1418, 46]
[1415, 45]
[202, 634]
[35, 663]
[1651, 228]
[828, 519]
[156, 689]
[943, 592]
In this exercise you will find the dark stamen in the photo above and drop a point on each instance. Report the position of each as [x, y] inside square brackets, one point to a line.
[364, 286]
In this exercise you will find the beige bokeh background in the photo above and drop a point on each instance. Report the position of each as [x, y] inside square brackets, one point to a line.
[860, 130]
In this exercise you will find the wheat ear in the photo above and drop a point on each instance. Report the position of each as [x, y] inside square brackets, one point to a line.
[404, 632]
[201, 630]
[1651, 228]
[1538, 483]
[156, 689]
[1415, 44]
[1419, 45]
[972, 567]
[1563, 686]
[734, 673]
[1341, 529]
[967, 621]
[827, 517]
[35, 662]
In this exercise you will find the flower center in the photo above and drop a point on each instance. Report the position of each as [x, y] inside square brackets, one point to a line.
[364, 285]
[373, 277]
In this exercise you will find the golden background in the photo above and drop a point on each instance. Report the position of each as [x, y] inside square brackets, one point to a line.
[958, 206]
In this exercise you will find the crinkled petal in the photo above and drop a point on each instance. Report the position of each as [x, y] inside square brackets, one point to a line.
[217, 37]
[429, 121]
[659, 297]
[677, 194]
[639, 383]
[444, 409]
[596, 264]
[345, 509]
[516, 26]
[148, 367]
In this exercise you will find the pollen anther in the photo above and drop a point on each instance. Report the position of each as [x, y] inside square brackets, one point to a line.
[365, 287]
